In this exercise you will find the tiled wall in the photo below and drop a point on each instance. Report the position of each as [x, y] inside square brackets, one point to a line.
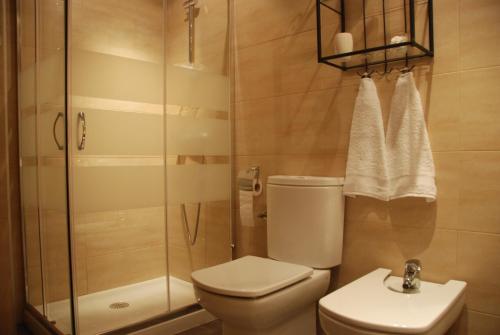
[11, 263]
[292, 116]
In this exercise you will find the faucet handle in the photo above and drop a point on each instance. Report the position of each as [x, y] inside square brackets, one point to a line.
[411, 278]
[413, 265]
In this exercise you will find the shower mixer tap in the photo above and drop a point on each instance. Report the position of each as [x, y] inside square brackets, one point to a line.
[192, 13]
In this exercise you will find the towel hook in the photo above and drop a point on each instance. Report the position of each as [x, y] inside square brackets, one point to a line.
[367, 73]
[406, 68]
[387, 70]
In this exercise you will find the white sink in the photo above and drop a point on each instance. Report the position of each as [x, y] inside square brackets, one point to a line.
[377, 304]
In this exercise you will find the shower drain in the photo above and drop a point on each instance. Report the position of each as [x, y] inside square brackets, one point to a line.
[119, 305]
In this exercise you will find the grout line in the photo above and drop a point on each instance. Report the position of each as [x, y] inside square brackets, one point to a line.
[355, 83]
[459, 58]
[480, 68]
[484, 313]
[342, 152]
[237, 49]
[466, 151]
[467, 231]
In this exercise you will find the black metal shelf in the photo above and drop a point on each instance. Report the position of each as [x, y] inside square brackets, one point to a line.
[413, 48]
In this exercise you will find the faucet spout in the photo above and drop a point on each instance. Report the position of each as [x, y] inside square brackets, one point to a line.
[411, 279]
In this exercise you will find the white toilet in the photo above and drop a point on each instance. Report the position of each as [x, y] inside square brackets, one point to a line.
[279, 295]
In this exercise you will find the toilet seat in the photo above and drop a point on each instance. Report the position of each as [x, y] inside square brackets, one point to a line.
[290, 310]
[250, 277]
[369, 306]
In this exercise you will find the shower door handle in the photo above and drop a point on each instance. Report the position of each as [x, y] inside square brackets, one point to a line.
[82, 120]
[59, 116]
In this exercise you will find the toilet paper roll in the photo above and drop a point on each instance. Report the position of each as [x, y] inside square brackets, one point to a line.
[246, 208]
[248, 181]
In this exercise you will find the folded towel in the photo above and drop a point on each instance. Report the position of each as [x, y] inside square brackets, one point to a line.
[409, 157]
[366, 172]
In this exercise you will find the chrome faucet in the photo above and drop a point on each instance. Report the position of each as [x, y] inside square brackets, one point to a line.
[411, 280]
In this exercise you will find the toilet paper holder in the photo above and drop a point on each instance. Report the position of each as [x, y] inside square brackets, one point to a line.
[249, 180]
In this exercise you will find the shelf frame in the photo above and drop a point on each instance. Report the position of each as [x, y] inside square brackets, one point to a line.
[328, 59]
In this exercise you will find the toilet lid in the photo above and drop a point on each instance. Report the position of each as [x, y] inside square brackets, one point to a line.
[249, 277]
[367, 303]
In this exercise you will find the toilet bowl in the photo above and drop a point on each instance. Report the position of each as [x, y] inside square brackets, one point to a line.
[279, 294]
[254, 295]
[376, 304]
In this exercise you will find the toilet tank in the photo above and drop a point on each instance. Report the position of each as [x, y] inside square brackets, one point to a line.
[305, 220]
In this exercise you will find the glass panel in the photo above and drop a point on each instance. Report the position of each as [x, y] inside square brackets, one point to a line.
[52, 161]
[28, 153]
[117, 80]
[198, 142]
[43, 157]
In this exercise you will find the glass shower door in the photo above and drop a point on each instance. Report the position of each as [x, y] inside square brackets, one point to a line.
[51, 90]
[117, 152]
[43, 159]
[129, 124]
[198, 141]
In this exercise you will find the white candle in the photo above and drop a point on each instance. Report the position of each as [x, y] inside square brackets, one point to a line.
[343, 44]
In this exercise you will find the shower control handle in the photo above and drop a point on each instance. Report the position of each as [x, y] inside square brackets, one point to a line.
[83, 121]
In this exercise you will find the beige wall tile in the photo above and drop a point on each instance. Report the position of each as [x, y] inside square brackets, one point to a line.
[365, 209]
[305, 165]
[372, 7]
[446, 36]
[213, 244]
[444, 113]
[131, 29]
[263, 20]
[57, 283]
[475, 323]
[124, 230]
[296, 124]
[179, 263]
[412, 212]
[448, 179]
[370, 245]
[127, 267]
[480, 192]
[479, 101]
[217, 233]
[250, 240]
[283, 66]
[34, 295]
[478, 263]
[367, 246]
[479, 33]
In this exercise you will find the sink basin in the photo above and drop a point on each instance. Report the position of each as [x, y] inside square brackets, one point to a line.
[378, 303]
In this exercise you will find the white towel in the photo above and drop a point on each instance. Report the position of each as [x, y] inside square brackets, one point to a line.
[366, 172]
[409, 157]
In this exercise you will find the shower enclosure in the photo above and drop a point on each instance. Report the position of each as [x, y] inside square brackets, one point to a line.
[125, 145]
